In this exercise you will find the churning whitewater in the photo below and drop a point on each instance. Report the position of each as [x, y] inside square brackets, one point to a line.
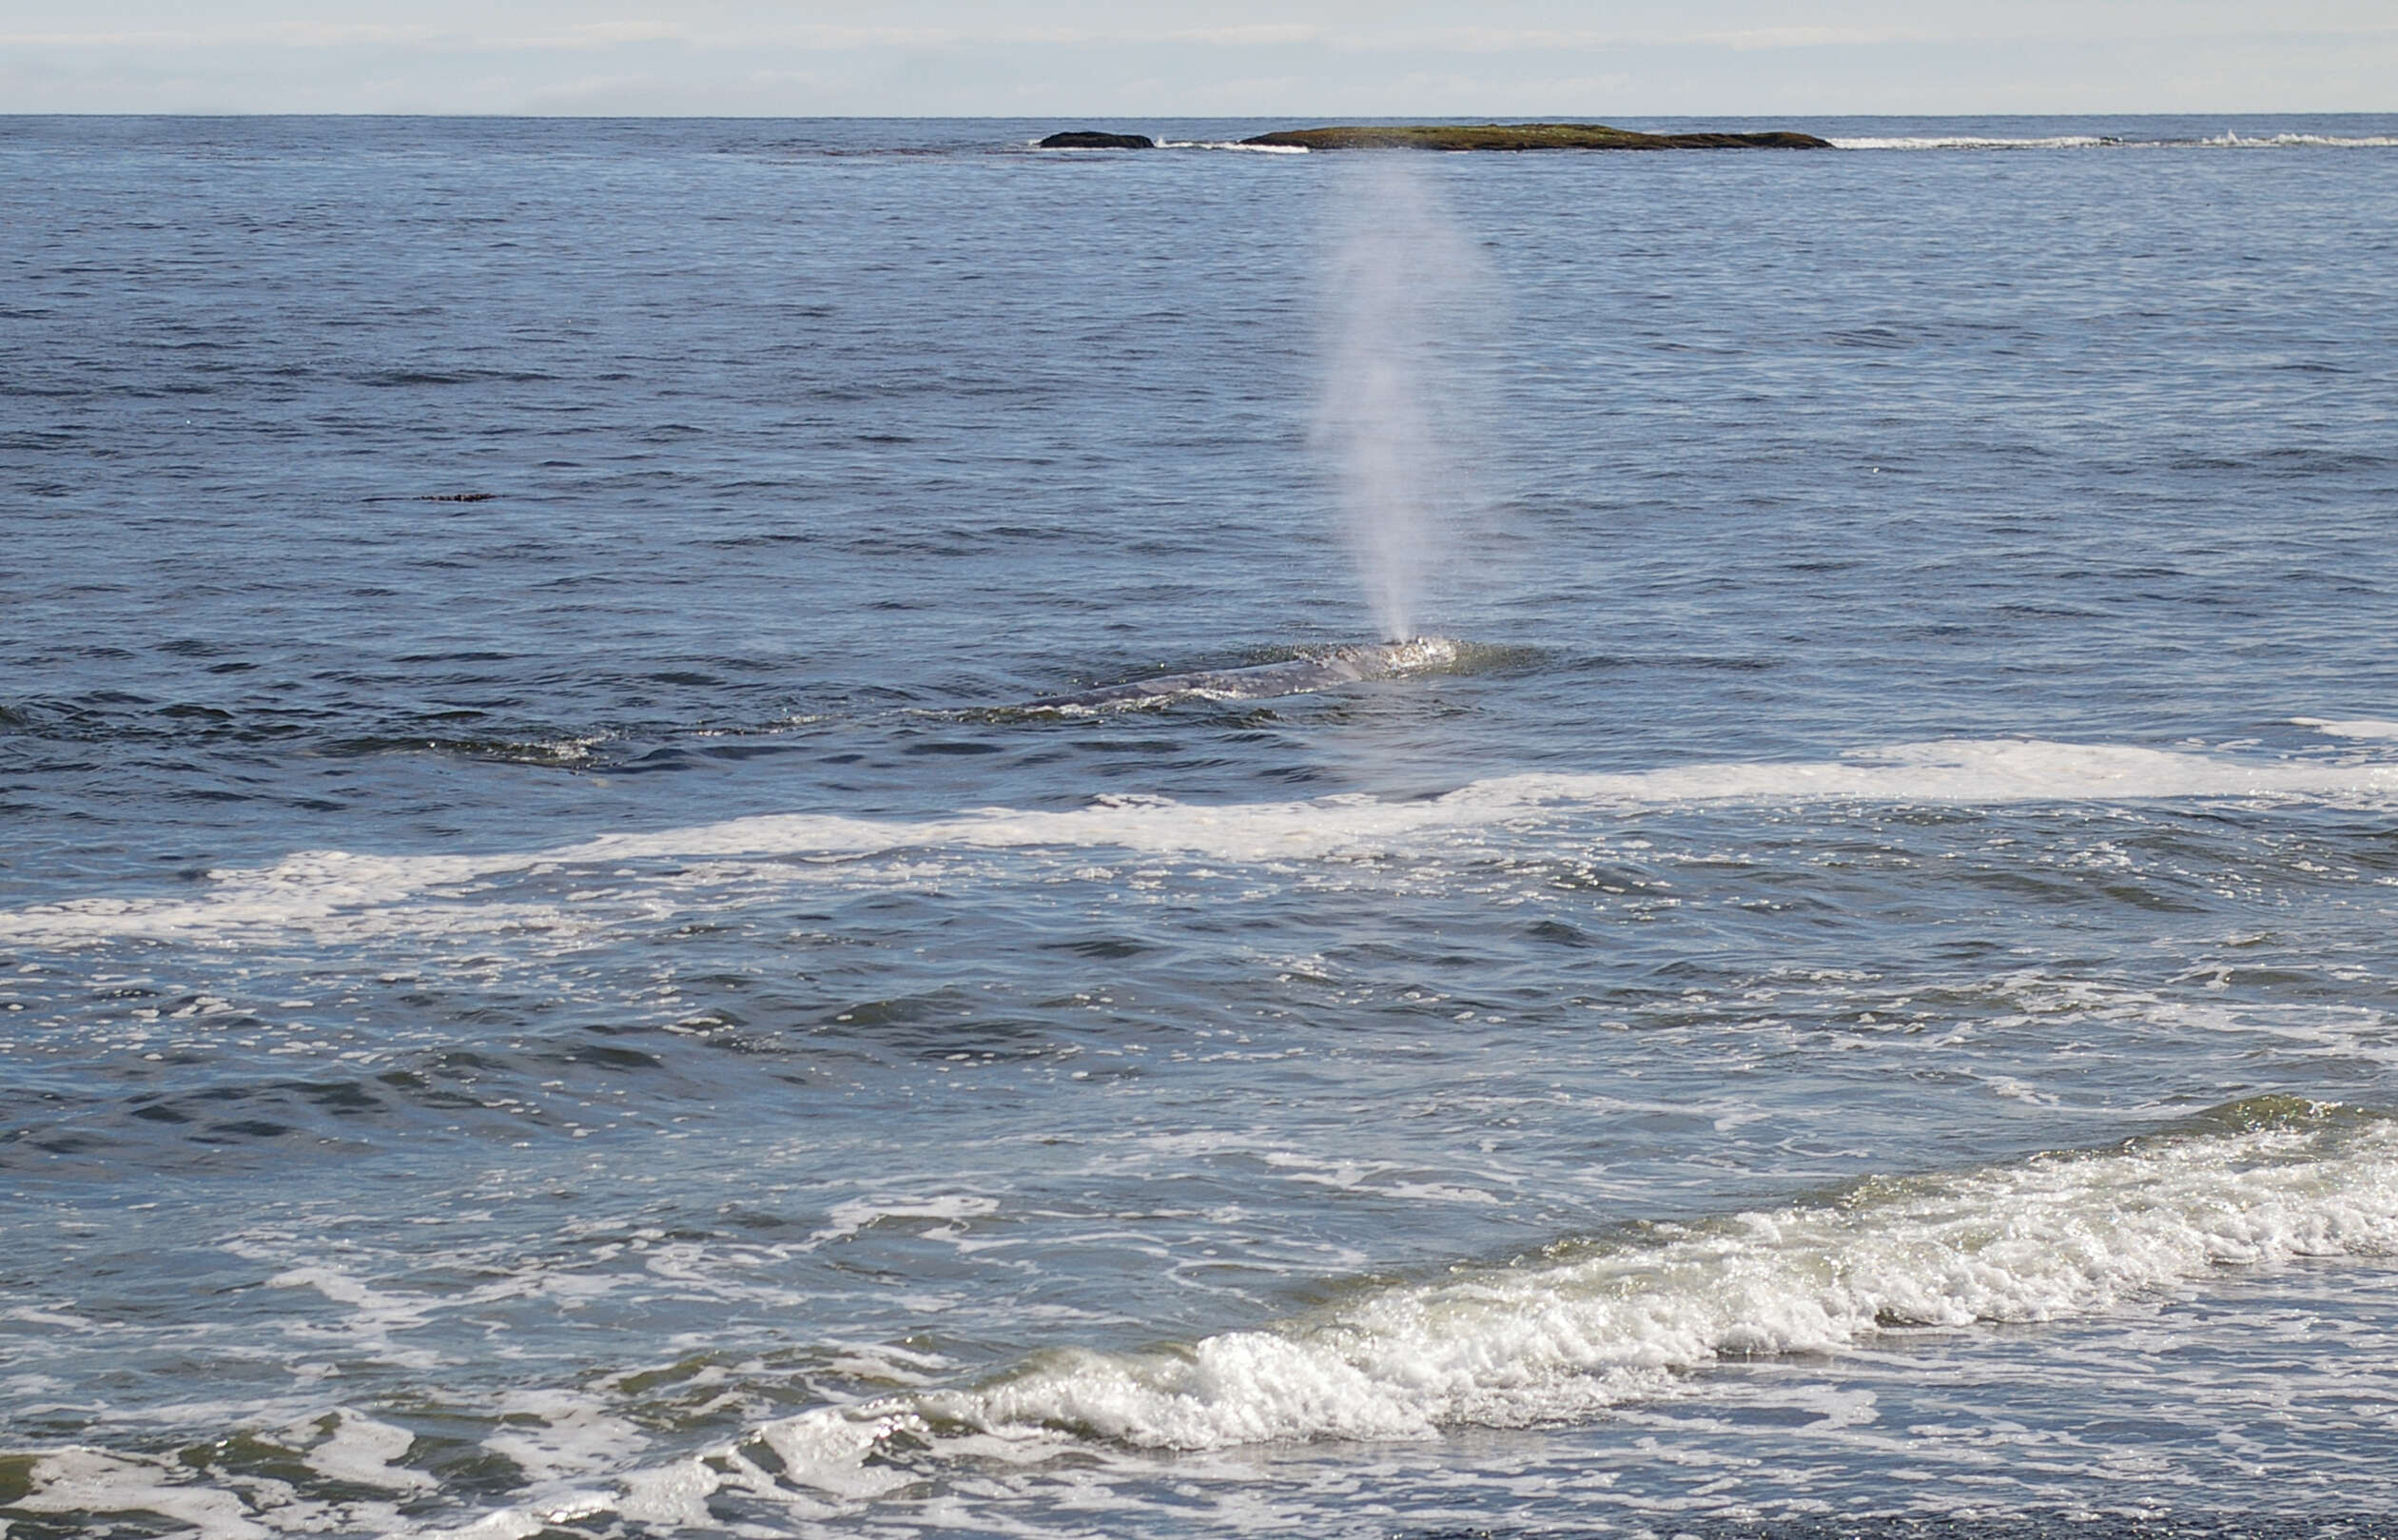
[1585, 1324]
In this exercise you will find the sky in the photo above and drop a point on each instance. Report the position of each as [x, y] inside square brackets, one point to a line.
[1087, 59]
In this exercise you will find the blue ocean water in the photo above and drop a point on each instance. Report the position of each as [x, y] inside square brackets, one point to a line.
[549, 988]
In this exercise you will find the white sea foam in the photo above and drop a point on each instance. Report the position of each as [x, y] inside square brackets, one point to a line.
[2225, 141]
[1561, 1333]
[849, 1218]
[1970, 142]
[365, 894]
[81, 1482]
[1232, 144]
[2360, 727]
[364, 1453]
[2049, 1238]
[1212, 144]
[1585, 1326]
[2234, 141]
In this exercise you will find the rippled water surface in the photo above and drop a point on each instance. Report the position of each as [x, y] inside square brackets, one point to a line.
[550, 988]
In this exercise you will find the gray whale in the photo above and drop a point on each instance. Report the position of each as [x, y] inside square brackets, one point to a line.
[1309, 671]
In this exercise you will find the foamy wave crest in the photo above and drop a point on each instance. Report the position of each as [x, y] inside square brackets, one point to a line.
[2360, 727]
[1232, 144]
[1589, 1324]
[1972, 141]
[2224, 141]
[363, 893]
[2234, 141]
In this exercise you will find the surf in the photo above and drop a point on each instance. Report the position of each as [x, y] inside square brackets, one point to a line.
[1616, 1319]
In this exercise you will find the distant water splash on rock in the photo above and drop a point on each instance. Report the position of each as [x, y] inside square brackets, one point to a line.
[1406, 297]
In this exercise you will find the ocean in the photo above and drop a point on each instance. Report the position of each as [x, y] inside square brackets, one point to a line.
[552, 983]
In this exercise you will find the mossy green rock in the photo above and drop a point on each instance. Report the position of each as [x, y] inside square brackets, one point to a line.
[1526, 136]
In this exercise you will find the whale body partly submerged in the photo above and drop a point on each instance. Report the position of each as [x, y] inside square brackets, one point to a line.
[1309, 671]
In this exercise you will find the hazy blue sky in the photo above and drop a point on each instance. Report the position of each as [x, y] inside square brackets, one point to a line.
[1056, 58]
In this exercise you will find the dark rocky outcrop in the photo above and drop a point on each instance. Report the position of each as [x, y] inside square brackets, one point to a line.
[1527, 136]
[1086, 139]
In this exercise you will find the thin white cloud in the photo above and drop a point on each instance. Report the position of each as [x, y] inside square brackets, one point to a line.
[1347, 37]
[1078, 57]
[1813, 37]
[1260, 34]
[587, 89]
[324, 34]
[630, 32]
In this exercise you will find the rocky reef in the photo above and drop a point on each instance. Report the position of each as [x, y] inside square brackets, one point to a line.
[1087, 139]
[1526, 136]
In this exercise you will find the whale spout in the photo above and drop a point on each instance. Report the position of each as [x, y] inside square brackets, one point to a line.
[1309, 671]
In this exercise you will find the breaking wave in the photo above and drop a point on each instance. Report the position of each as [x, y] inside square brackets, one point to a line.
[1972, 141]
[1588, 1324]
[2224, 141]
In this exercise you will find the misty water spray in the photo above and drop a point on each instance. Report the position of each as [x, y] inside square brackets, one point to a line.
[1404, 306]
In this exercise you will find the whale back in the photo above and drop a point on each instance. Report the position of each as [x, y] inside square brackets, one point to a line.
[1294, 676]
